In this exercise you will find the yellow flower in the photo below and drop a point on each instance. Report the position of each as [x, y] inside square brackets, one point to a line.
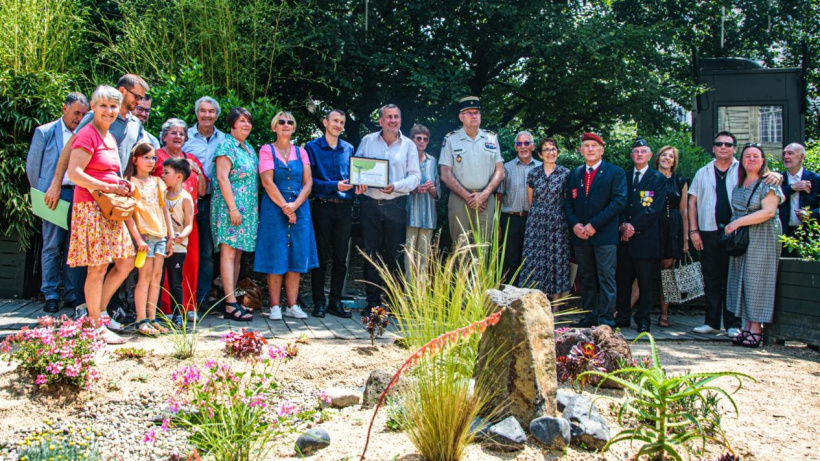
[52, 447]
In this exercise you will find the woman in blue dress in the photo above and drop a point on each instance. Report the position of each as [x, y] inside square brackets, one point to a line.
[286, 246]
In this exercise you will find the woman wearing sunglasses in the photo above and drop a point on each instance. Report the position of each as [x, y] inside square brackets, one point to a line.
[287, 246]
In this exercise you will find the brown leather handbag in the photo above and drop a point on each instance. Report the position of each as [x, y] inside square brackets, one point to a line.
[115, 207]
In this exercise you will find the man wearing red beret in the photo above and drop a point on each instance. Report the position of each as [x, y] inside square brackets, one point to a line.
[596, 196]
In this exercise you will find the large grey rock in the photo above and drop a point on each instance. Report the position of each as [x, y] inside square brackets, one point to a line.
[587, 427]
[552, 432]
[376, 384]
[341, 398]
[312, 440]
[563, 399]
[517, 356]
[506, 435]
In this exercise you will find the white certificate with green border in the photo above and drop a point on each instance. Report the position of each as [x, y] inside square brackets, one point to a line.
[370, 172]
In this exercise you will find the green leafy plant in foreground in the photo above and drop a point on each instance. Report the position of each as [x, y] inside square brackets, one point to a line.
[805, 241]
[53, 442]
[652, 413]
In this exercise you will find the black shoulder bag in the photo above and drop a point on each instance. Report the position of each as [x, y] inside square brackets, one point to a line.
[737, 242]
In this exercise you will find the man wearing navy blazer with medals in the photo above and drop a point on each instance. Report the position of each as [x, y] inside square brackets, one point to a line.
[596, 196]
[802, 190]
[639, 250]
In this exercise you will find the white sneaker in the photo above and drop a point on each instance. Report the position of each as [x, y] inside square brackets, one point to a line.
[296, 312]
[705, 330]
[733, 332]
[192, 317]
[275, 313]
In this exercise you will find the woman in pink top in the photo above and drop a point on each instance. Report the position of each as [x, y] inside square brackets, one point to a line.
[96, 241]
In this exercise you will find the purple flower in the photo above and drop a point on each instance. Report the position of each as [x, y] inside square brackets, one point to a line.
[150, 436]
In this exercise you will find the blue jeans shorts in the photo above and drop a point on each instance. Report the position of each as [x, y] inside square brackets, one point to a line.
[156, 246]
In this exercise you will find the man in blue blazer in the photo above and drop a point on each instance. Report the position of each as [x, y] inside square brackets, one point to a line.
[595, 198]
[639, 250]
[48, 141]
[802, 190]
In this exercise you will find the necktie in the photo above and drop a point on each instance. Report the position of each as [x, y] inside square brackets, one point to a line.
[590, 172]
[636, 180]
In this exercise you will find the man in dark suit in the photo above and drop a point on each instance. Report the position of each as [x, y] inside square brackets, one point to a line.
[639, 250]
[48, 141]
[596, 195]
[802, 190]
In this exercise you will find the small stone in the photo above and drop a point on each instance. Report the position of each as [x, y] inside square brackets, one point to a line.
[507, 435]
[312, 440]
[341, 398]
[479, 427]
[552, 432]
[587, 427]
[376, 384]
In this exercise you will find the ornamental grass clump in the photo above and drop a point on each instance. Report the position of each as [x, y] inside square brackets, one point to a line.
[232, 414]
[438, 403]
[57, 351]
[667, 414]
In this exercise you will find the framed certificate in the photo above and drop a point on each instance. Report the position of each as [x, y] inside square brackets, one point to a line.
[370, 172]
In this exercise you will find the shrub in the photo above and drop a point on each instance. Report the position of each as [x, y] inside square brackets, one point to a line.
[57, 351]
[54, 443]
[375, 323]
[805, 241]
[583, 357]
[667, 413]
[27, 100]
[131, 353]
[243, 343]
[231, 414]
[691, 156]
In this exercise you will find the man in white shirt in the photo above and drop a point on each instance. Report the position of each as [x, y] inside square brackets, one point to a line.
[49, 140]
[383, 212]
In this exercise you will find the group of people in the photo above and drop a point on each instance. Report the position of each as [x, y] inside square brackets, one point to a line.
[197, 193]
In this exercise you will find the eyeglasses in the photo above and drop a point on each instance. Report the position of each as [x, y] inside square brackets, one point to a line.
[523, 143]
[752, 144]
[420, 138]
[286, 122]
[150, 159]
[138, 97]
[724, 144]
[142, 109]
[549, 149]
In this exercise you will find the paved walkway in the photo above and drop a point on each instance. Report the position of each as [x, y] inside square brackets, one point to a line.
[15, 314]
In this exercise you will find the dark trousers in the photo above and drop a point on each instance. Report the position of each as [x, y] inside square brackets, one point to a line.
[512, 230]
[53, 260]
[206, 250]
[331, 224]
[714, 263]
[173, 270]
[384, 228]
[596, 268]
[629, 269]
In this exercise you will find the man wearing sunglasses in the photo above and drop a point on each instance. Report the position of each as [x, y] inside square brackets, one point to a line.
[512, 195]
[472, 168]
[710, 209]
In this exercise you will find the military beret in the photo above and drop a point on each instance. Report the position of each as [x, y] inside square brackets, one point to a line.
[592, 137]
[470, 102]
[640, 142]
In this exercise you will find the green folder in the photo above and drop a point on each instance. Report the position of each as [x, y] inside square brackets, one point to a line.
[58, 216]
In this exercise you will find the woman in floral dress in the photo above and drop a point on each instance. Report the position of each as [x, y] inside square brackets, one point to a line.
[546, 245]
[235, 206]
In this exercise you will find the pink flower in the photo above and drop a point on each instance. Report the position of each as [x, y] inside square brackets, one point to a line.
[286, 409]
[166, 423]
[323, 397]
[150, 436]
[41, 379]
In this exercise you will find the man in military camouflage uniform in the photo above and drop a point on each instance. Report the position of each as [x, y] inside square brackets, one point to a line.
[472, 167]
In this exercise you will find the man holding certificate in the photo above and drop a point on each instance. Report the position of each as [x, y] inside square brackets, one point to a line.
[385, 169]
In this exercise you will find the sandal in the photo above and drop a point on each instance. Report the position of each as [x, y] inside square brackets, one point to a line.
[110, 337]
[145, 328]
[663, 320]
[239, 313]
[738, 340]
[158, 326]
[753, 340]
